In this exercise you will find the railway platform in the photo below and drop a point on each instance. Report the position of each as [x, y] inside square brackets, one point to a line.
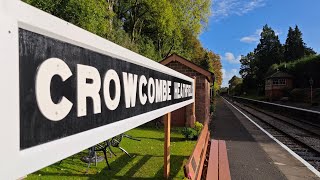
[252, 154]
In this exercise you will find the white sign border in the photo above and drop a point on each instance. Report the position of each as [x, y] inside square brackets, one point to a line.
[17, 163]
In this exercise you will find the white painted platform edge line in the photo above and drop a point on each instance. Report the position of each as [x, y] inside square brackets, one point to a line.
[281, 105]
[309, 166]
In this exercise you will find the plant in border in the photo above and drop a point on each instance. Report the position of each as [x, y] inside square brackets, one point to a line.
[192, 133]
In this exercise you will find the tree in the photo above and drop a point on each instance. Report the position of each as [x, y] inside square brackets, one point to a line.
[269, 51]
[152, 28]
[91, 15]
[235, 85]
[234, 81]
[163, 23]
[294, 47]
[248, 71]
[309, 51]
[216, 68]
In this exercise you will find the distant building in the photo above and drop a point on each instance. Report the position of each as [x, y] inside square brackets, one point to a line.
[204, 80]
[277, 84]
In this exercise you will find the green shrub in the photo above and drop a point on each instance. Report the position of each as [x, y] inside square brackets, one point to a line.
[316, 95]
[298, 95]
[211, 108]
[302, 69]
[198, 127]
[190, 133]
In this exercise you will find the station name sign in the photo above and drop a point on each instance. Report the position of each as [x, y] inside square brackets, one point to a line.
[66, 89]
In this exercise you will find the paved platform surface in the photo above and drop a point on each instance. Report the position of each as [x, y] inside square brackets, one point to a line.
[251, 153]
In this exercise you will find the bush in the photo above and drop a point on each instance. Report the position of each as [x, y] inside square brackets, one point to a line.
[211, 108]
[198, 127]
[302, 70]
[190, 133]
[298, 95]
[316, 95]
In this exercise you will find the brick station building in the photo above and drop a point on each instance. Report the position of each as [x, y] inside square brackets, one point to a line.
[277, 83]
[204, 80]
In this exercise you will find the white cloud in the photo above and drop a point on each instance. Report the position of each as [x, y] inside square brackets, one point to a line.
[229, 57]
[224, 8]
[255, 37]
[227, 75]
[249, 39]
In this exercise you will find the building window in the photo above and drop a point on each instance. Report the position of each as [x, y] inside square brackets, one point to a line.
[280, 82]
[268, 83]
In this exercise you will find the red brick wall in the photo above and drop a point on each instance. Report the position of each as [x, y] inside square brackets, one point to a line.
[178, 117]
[202, 90]
[277, 91]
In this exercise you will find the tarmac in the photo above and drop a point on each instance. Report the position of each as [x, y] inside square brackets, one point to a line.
[251, 153]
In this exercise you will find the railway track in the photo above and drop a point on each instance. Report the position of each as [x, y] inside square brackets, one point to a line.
[302, 138]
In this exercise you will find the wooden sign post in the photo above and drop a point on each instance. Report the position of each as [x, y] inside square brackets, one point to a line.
[167, 126]
[65, 89]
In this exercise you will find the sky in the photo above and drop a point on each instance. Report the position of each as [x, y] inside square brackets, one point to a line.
[235, 25]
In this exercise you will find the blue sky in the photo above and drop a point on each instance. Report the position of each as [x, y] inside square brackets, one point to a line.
[234, 27]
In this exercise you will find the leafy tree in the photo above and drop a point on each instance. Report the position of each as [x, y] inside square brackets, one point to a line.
[163, 22]
[248, 71]
[190, 13]
[295, 48]
[216, 68]
[309, 51]
[247, 68]
[235, 85]
[267, 56]
[269, 51]
[234, 81]
[153, 28]
[91, 15]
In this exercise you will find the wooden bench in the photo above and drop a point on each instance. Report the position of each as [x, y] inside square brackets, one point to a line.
[218, 164]
[209, 159]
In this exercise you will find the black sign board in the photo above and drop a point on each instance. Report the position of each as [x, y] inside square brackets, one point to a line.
[65, 89]
[38, 125]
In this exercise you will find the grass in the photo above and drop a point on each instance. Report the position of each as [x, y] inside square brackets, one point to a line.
[146, 163]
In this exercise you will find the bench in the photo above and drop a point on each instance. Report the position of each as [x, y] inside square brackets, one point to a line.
[218, 164]
[209, 159]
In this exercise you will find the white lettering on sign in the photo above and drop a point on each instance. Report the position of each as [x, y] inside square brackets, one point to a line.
[164, 90]
[111, 75]
[151, 90]
[48, 69]
[89, 85]
[158, 90]
[182, 90]
[130, 88]
[168, 93]
[142, 97]
[85, 89]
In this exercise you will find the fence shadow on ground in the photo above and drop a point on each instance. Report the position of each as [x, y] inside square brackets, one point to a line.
[117, 166]
[74, 168]
[172, 139]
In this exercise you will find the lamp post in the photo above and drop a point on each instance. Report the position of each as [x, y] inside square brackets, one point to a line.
[311, 83]
[271, 91]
